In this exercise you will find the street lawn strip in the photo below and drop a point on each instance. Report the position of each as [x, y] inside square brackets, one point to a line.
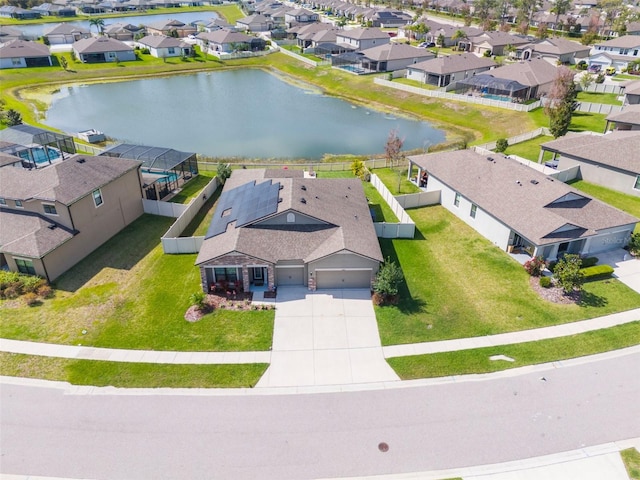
[477, 360]
[458, 284]
[625, 202]
[631, 459]
[129, 294]
[530, 149]
[131, 375]
[193, 187]
[604, 98]
[381, 210]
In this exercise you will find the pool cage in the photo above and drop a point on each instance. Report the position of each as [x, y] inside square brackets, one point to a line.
[36, 147]
[163, 170]
[494, 88]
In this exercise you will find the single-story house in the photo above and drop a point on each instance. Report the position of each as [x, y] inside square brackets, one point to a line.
[23, 54]
[299, 16]
[226, 41]
[617, 52]
[65, 33]
[554, 50]
[52, 9]
[255, 23]
[53, 217]
[18, 13]
[519, 208]
[8, 34]
[163, 170]
[171, 28]
[274, 228]
[392, 56]
[627, 119]
[102, 49]
[125, 32]
[362, 38]
[165, 47]
[387, 18]
[632, 92]
[522, 81]
[436, 30]
[611, 160]
[444, 70]
[496, 43]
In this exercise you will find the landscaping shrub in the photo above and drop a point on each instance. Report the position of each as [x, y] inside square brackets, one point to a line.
[12, 291]
[223, 171]
[30, 284]
[501, 145]
[197, 299]
[31, 299]
[634, 244]
[551, 266]
[45, 291]
[387, 283]
[535, 266]
[589, 262]
[597, 272]
[568, 274]
[545, 282]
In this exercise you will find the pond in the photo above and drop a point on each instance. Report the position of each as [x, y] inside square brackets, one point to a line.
[34, 31]
[246, 113]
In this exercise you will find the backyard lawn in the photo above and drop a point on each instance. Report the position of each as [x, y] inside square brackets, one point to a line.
[530, 149]
[605, 98]
[626, 203]
[193, 187]
[129, 294]
[459, 285]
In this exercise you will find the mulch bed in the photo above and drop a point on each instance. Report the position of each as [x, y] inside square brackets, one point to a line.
[239, 301]
[554, 294]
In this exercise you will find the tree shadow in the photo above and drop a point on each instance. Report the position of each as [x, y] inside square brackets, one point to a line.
[588, 299]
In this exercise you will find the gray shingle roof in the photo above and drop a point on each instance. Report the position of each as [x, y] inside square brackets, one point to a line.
[162, 41]
[223, 36]
[395, 51]
[530, 72]
[617, 149]
[626, 41]
[66, 181]
[64, 29]
[453, 64]
[364, 33]
[23, 49]
[100, 45]
[558, 46]
[343, 221]
[504, 189]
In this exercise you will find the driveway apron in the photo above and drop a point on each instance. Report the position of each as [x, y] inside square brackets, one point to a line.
[327, 337]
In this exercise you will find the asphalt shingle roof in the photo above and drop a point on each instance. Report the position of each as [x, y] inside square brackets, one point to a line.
[29, 234]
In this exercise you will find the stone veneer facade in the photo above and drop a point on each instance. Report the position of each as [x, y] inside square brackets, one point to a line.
[240, 261]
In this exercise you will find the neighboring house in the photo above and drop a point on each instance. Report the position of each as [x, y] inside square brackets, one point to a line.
[299, 16]
[442, 71]
[226, 41]
[255, 23]
[275, 228]
[387, 18]
[610, 160]
[103, 49]
[55, 216]
[617, 53]
[50, 10]
[18, 13]
[437, 31]
[496, 43]
[305, 34]
[165, 47]
[171, 28]
[522, 81]
[633, 28]
[627, 119]
[554, 50]
[632, 92]
[392, 57]
[362, 38]
[65, 33]
[125, 32]
[213, 25]
[517, 207]
[8, 34]
[23, 54]
[163, 171]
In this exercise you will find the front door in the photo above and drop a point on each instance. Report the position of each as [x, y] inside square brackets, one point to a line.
[562, 248]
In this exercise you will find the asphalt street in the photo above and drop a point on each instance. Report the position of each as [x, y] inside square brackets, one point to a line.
[56, 432]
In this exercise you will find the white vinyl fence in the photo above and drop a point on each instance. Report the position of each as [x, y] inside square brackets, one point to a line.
[598, 108]
[405, 228]
[601, 88]
[517, 139]
[414, 200]
[566, 175]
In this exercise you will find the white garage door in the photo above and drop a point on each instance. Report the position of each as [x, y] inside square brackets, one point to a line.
[290, 275]
[343, 278]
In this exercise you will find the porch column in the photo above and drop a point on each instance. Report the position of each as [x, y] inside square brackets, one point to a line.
[271, 276]
[246, 286]
[541, 155]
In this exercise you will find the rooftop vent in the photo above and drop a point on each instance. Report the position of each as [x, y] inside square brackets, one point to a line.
[490, 159]
[535, 182]
[550, 179]
[303, 187]
[279, 200]
[518, 182]
[303, 200]
[81, 160]
[281, 187]
[52, 227]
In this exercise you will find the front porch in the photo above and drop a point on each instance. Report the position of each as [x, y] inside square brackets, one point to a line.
[234, 281]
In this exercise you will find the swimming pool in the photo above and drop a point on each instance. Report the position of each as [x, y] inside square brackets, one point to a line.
[40, 155]
[500, 98]
[165, 177]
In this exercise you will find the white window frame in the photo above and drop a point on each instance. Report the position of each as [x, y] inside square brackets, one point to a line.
[2, 201]
[19, 204]
[25, 260]
[456, 200]
[16, 61]
[50, 205]
[474, 210]
[636, 186]
[95, 198]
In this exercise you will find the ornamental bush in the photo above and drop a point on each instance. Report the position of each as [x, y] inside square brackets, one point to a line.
[634, 244]
[589, 262]
[597, 272]
[545, 282]
[535, 266]
[568, 274]
[388, 280]
[501, 145]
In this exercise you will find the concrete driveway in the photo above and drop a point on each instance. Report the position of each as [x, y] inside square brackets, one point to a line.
[625, 267]
[328, 337]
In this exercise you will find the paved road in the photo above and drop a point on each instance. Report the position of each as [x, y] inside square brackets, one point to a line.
[53, 432]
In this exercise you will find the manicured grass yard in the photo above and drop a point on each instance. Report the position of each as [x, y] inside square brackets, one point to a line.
[130, 375]
[193, 187]
[530, 149]
[605, 98]
[129, 294]
[529, 353]
[459, 285]
[389, 177]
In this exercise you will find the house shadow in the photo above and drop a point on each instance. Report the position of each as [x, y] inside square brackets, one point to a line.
[122, 252]
[407, 304]
[206, 211]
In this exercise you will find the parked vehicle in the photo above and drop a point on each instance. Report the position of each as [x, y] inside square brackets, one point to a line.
[610, 71]
[594, 68]
[427, 45]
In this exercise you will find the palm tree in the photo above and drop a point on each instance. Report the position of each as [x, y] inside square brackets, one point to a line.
[98, 23]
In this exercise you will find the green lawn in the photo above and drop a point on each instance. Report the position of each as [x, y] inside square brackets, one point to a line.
[530, 149]
[631, 459]
[391, 177]
[626, 203]
[193, 187]
[605, 98]
[580, 122]
[460, 285]
[530, 353]
[129, 294]
[130, 375]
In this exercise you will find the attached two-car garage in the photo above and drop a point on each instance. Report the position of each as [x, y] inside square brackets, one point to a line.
[343, 278]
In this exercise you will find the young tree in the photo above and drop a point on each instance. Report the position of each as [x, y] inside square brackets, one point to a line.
[560, 7]
[223, 172]
[561, 102]
[13, 118]
[567, 273]
[388, 280]
[586, 80]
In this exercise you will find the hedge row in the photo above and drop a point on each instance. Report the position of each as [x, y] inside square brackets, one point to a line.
[597, 272]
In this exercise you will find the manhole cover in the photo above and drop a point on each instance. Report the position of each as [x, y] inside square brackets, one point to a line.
[383, 447]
